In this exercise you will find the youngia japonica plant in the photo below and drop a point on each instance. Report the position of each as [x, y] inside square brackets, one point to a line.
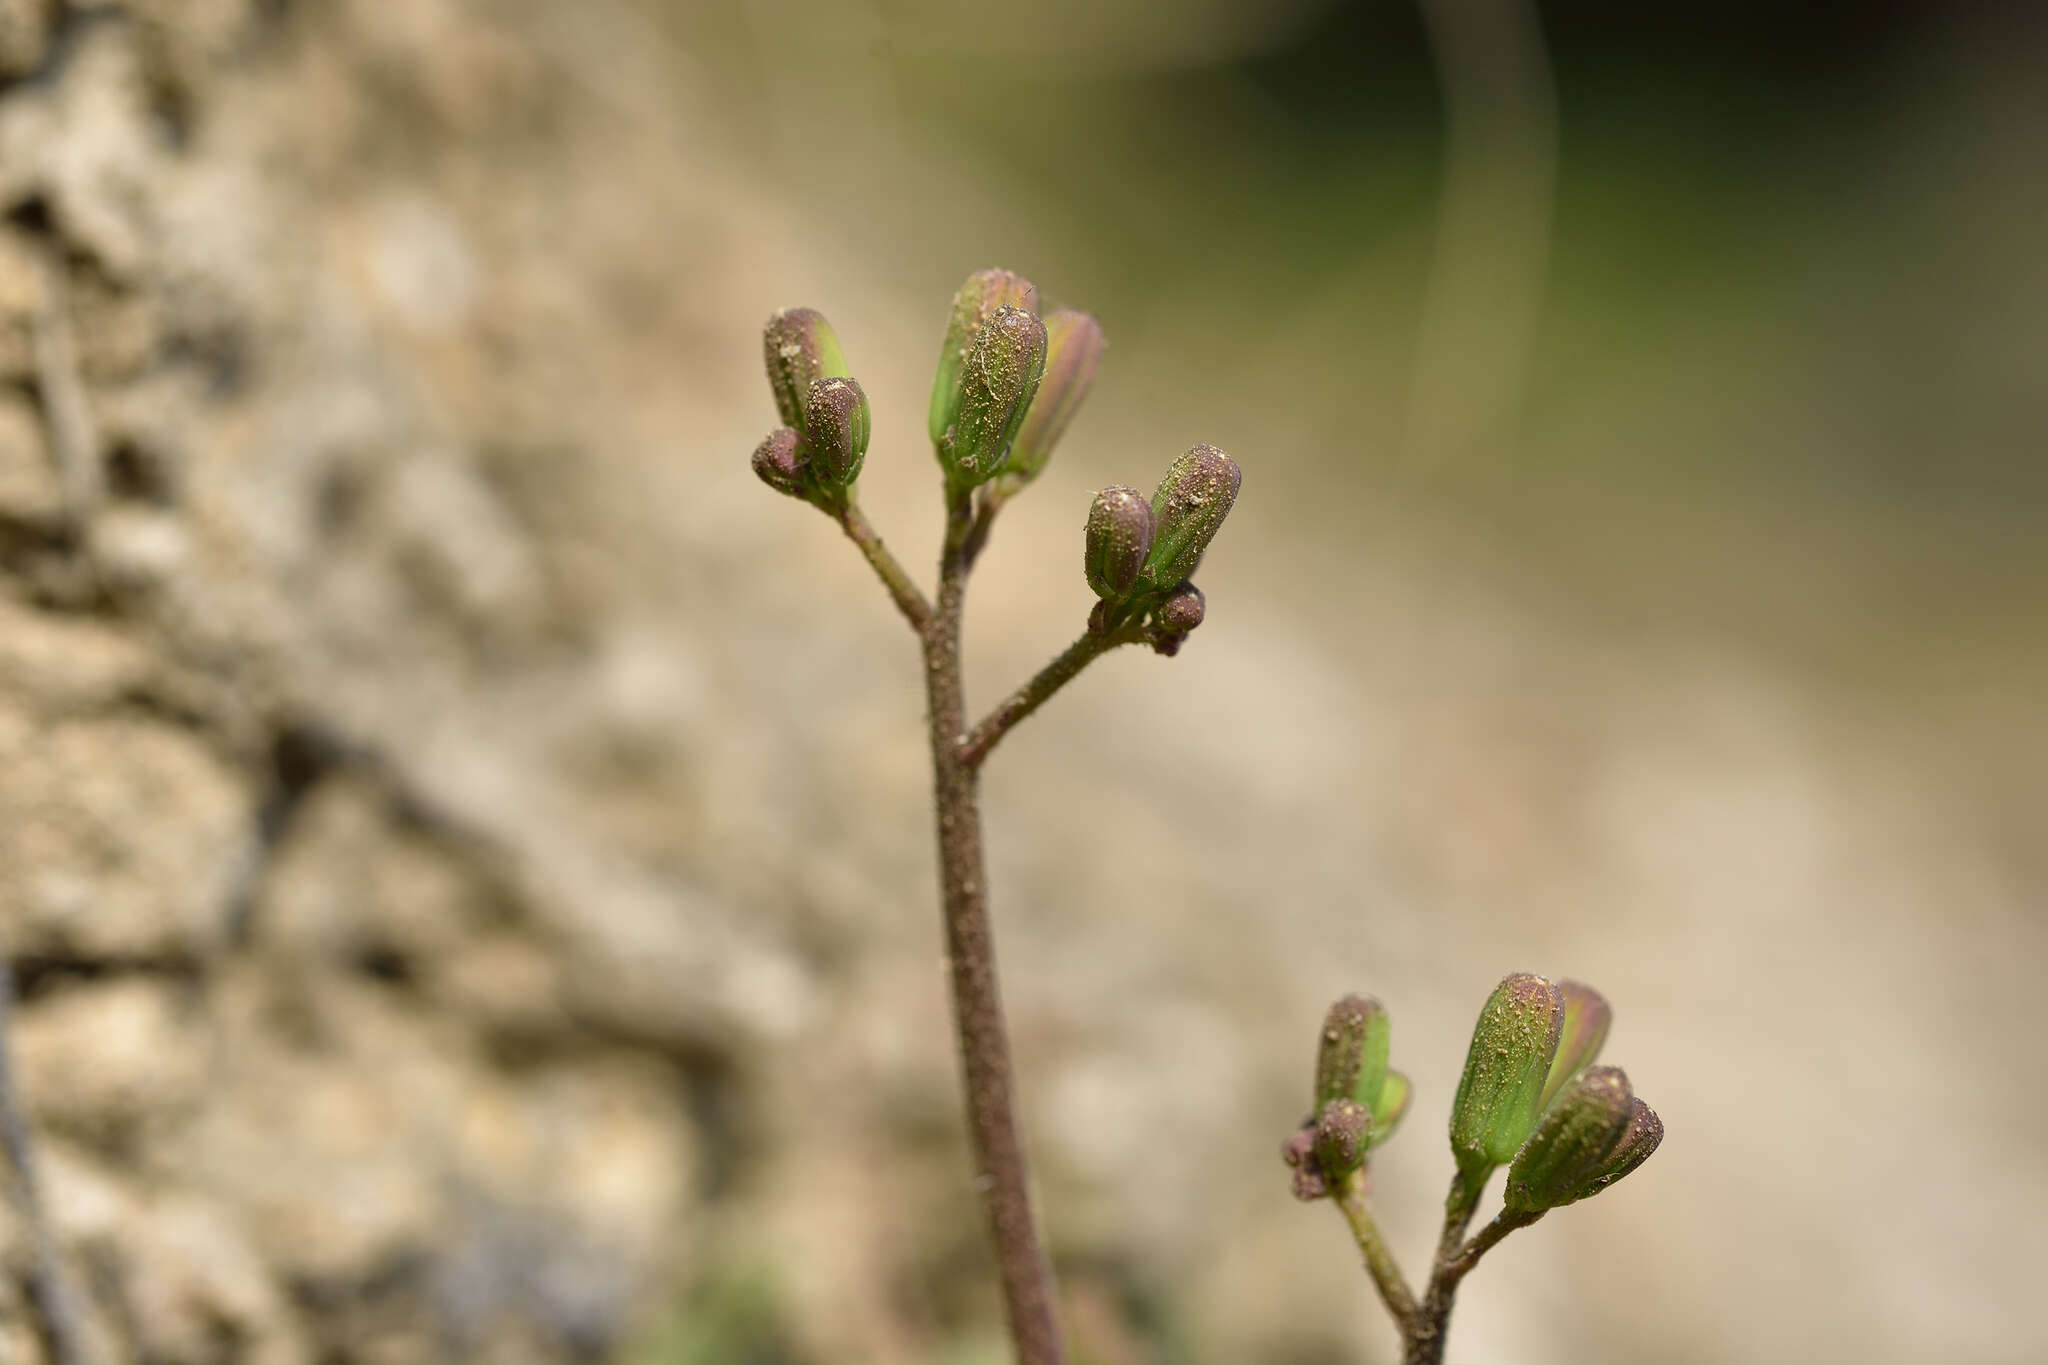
[1008, 384]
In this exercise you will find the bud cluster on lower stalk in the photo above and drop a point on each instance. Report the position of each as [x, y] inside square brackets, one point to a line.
[1152, 584]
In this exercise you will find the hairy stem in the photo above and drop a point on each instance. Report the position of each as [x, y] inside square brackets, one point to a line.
[902, 590]
[1379, 1262]
[1040, 689]
[1003, 1173]
[1427, 1331]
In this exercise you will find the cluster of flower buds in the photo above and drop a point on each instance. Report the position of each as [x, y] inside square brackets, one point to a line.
[1532, 1100]
[1140, 556]
[816, 453]
[1359, 1100]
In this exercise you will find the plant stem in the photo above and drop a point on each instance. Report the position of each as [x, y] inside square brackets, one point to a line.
[902, 590]
[1426, 1333]
[1379, 1262]
[1002, 1170]
[1035, 693]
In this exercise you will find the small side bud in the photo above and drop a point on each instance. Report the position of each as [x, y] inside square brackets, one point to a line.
[1498, 1096]
[1192, 501]
[837, 412]
[1119, 538]
[1182, 610]
[779, 461]
[1575, 1138]
[1586, 1020]
[974, 304]
[1343, 1135]
[800, 348]
[1390, 1107]
[1640, 1137]
[1351, 1055]
[1001, 376]
[1073, 348]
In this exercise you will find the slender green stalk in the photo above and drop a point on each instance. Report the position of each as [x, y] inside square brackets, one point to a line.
[1379, 1262]
[909, 600]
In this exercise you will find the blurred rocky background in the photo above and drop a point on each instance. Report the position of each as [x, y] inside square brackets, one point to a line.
[462, 841]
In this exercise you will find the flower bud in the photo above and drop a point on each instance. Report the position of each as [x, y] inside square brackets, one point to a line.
[1299, 1154]
[1343, 1133]
[977, 301]
[1575, 1138]
[1640, 1137]
[1119, 538]
[1073, 348]
[1586, 1018]
[800, 349]
[1182, 610]
[1512, 1045]
[1192, 501]
[1390, 1108]
[836, 411]
[779, 461]
[997, 384]
[1351, 1056]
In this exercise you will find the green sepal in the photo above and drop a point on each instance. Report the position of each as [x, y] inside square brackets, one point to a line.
[1586, 1021]
[1002, 373]
[799, 348]
[973, 305]
[1500, 1092]
[1390, 1106]
[1351, 1054]
[1188, 508]
[1572, 1143]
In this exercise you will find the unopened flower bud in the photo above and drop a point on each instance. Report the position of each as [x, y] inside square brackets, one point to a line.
[1073, 348]
[1299, 1153]
[1119, 538]
[977, 301]
[1351, 1054]
[1390, 1108]
[800, 348]
[1004, 366]
[779, 461]
[1182, 610]
[1576, 1136]
[836, 411]
[1343, 1134]
[1499, 1094]
[1640, 1137]
[1586, 1019]
[1191, 503]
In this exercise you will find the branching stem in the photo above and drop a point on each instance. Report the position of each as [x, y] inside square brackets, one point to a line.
[909, 600]
[1039, 690]
[1029, 1297]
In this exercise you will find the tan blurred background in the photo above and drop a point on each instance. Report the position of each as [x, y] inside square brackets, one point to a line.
[462, 841]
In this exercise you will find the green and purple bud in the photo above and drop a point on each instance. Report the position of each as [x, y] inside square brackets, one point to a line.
[800, 348]
[779, 461]
[1192, 501]
[1343, 1136]
[1572, 1143]
[1500, 1095]
[837, 433]
[1639, 1138]
[1390, 1107]
[1003, 369]
[1351, 1054]
[1586, 1021]
[973, 306]
[1073, 348]
[1182, 610]
[1118, 539]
